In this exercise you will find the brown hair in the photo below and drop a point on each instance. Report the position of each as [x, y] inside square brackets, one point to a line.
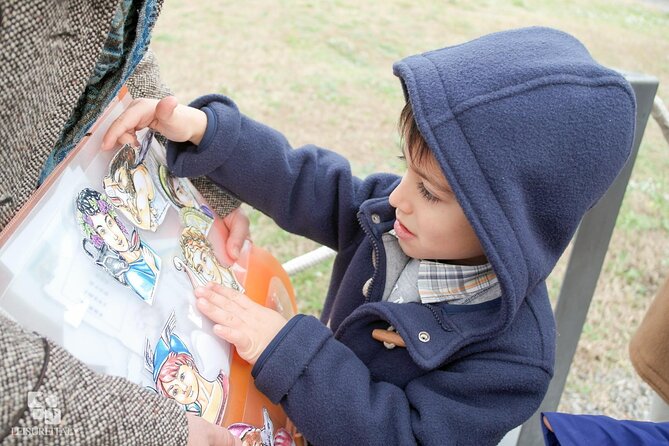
[412, 139]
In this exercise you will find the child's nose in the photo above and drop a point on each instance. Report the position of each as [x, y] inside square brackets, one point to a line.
[397, 197]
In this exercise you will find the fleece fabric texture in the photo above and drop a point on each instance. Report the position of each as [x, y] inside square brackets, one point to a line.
[530, 131]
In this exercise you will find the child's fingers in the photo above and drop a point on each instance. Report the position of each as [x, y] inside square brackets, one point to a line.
[236, 337]
[218, 314]
[246, 346]
[165, 108]
[137, 115]
[119, 128]
[128, 138]
[218, 299]
[231, 295]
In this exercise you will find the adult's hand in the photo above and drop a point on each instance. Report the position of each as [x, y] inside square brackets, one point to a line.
[203, 433]
[238, 230]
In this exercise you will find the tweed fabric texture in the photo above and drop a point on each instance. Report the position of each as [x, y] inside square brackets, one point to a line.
[220, 200]
[95, 409]
[51, 52]
[127, 41]
[49, 49]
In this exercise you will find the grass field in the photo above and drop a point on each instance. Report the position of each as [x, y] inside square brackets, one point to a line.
[320, 72]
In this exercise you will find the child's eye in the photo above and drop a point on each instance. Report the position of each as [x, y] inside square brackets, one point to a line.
[183, 376]
[426, 193]
[401, 157]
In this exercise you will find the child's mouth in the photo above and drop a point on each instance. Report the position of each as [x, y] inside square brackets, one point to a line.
[401, 231]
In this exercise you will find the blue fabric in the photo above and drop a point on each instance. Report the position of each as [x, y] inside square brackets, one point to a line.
[127, 41]
[141, 277]
[594, 430]
[529, 131]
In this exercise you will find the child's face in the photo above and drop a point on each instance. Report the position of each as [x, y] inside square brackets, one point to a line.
[430, 222]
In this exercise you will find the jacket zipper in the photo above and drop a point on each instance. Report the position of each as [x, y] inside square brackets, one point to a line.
[375, 248]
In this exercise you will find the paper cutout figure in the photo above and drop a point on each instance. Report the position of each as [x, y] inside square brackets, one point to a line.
[129, 186]
[200, 262]
[121, 253]
[196, 219]
[176, 376]
[265, 436]
[180, 192]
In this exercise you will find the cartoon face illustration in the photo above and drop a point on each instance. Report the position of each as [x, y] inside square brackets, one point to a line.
[196, 219]
[176, 375]
[203, 266]
[107, 227]
[178, 378]
[176, 189]
[130, 189]
[108, 242]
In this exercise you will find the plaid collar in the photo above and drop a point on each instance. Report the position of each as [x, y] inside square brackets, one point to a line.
[438, 282]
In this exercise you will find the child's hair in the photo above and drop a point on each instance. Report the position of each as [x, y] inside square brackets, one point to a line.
[410, 136]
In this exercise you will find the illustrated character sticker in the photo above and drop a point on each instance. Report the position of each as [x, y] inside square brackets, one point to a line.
[176, 376]
[179, 192]
[265, 436]
[196, 219]
[200, 262]
[130, 187]
[109, 243]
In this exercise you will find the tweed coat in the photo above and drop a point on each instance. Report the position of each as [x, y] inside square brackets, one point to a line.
[51, 52]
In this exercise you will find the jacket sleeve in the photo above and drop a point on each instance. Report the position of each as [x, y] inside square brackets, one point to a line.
[328, 392]
[84, 406]
[309, 191]
[573, 430]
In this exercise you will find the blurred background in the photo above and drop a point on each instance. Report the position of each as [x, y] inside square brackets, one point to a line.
[321, 72]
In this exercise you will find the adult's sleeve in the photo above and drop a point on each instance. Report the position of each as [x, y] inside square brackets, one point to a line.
[573, 430]
[94, 409]
[309, 191]
[330, 395]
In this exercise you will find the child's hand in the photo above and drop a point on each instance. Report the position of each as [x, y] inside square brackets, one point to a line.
[239, 320]
[174, 121]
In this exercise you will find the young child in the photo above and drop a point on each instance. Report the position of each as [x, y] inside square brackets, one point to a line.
[437, 328]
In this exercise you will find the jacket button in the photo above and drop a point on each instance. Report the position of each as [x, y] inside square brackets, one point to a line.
[365, 287]
[376, 219]
[389, 345]
[424, 336]
[5, 199]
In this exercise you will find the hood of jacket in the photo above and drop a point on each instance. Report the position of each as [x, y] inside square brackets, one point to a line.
[530, 132]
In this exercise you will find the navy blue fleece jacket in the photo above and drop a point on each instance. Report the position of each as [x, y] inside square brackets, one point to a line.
[529, 131]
